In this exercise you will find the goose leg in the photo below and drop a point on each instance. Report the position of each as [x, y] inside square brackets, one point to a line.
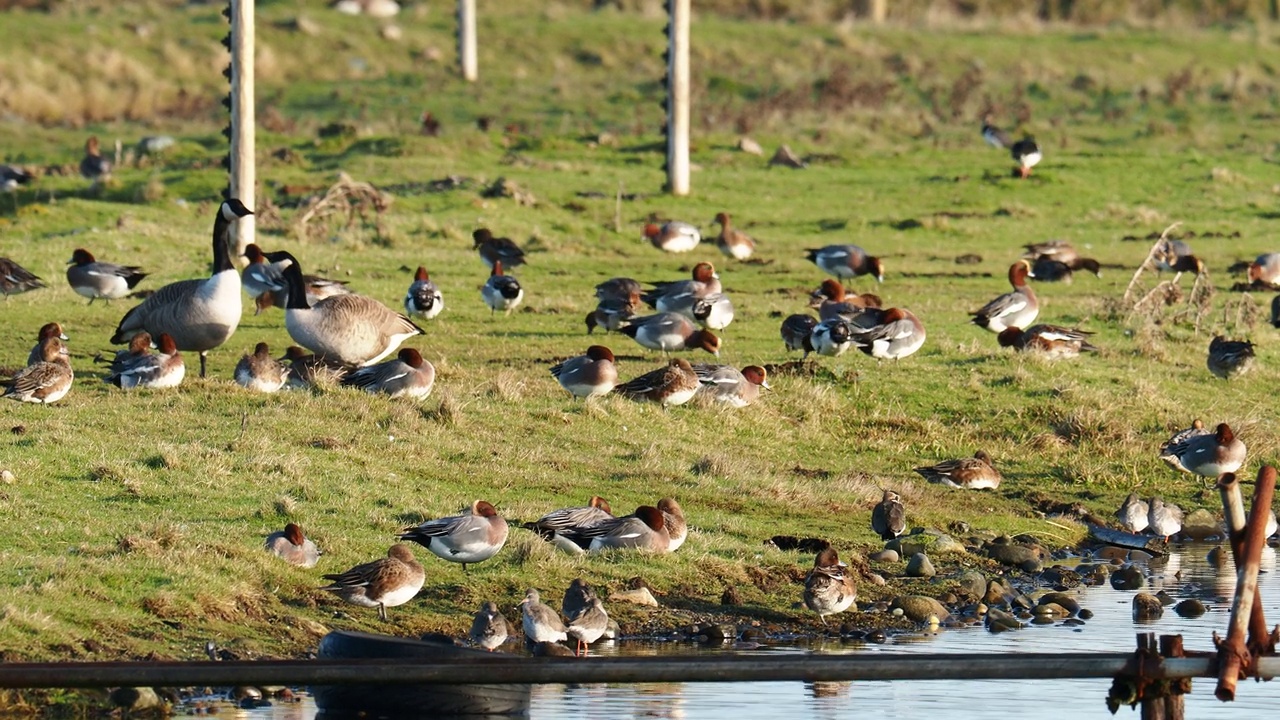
[204, 354]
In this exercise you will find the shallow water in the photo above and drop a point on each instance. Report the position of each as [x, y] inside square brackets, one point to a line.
[1112, 629]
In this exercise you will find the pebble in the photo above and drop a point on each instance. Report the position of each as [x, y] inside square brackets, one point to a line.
[1147, 607]
[1063, 600]
[1000, 621]
[1200, 524]
[918, 608]
[7, 476]
[920, 566]
[887, 555]
[641, 596]
[1128, 578]
[1190, 608]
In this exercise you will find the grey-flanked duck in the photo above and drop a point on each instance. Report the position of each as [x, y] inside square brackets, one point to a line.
[733, 242]
[674, 522]
[673, 296]
[263, 280]
[1265, 269]
[889, 516]
[501, 292]
[673, 237]
[260, 372]
[386, 582]
[645, 529]
[293, 547]
[670, 332]
[829, 588]
[559, 527]
[1207, 454]
[974, 473]
[726, 384]
[1230, 359]
[669, 386]
[199, 315]
[423, 299]
[832, 301]
[846, 261]
[831, 338]
[163, 369]
[94, 279]
[1048, 269]
[467, 539]
[1016, 308]
[898, 334]
[407, 375]
[994, 136]
[15, 279]
[497, 249]
[590, 375]
[350, 328]
[1052, 341]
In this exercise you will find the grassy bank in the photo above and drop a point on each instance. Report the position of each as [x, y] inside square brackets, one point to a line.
[136, 520]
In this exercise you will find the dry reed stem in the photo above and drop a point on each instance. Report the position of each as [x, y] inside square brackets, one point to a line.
[350, 197]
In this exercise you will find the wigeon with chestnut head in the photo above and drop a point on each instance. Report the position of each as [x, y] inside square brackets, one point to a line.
[1208, 455]
[407, 375]
[501, 292]
[1016, 308]
[672, 296]
[423, 299]
[468, 539]
[726, 384]
[898, 334]
[494, 250]
[587, 376]
[846, 261]
[1053, 341]
[673, 237]
[93, 279]
[293, 547]
[829, 588]
[670, 332]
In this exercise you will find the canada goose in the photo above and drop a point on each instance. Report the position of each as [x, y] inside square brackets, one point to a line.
[199, 314]
[349, 328]
[94, 279]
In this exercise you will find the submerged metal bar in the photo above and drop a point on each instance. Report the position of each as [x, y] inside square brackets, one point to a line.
[519, 669]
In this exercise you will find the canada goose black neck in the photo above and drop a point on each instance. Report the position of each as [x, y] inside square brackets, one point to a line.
[293, 277]
[229, 211]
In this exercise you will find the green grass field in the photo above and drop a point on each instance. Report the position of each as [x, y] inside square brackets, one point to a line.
[133, 525]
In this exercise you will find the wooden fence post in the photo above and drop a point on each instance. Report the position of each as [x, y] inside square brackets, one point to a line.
[243, 162]
[678, 97]
[467, 56]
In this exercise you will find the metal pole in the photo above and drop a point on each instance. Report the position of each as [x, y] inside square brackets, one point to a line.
[513, 669]
[467, 40]
[243, 163]
[1233, 653]
[678, 97]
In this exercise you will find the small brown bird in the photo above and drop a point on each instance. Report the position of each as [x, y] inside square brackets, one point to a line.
[675, 384]
[889, 518]
[385, 582]
[489, 629]
[829, 588]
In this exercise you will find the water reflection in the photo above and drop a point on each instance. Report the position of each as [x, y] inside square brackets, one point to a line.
[1187, 573]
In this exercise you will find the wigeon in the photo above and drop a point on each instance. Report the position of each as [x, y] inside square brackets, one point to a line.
[889, 517]
[673, 520]
[310, 370]
[1266, 269]
[1052, 341]
[587, 376]
[93, 166]
[423, 299]
[829, 587]
[199, 315]
[560, 527]
[713, 312]
[489, 628]
[623, 288]
[263, 281]
[673, 237]
[588, 627]
[48, 330]
[139, 345]
[578, 598]
[497, 249]
[831, 338]
[501, 292]
[408, 375]
[645, 529]
[831, 301]
[1025, 152]
[1176, 256]
[11, 176]
[1208, 454]
[796, 330]
[293, 547]
[669, 332]
[541, 623]
[612, 314]
[317, 289]
[672, 296]
[386, 582]
[1047, 269]
[1163, 519]
[468, 539]
[164, 369]
[732, 242]
[675, 384]
[1017, 308]
[45, 382]
[15, 279]
[93, 279]
[975, 473]
[1197, 429]
[1060, 250]
[994, 136]
[898, 334]
[846, 261]
[726, 384]
[349, 328]
[260, 372]
[1133, 514]
[1230, 358]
